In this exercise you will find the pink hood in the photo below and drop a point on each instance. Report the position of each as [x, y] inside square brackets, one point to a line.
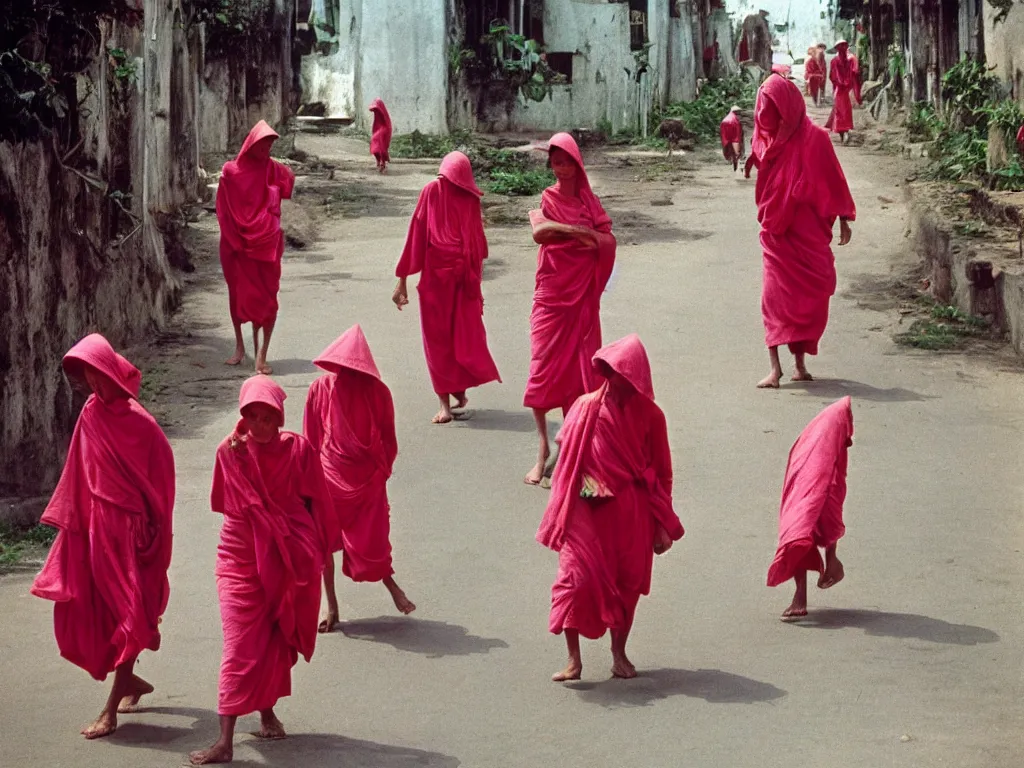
[262, 389]
[628, 358]
[96, 352]
[350, 350]
[457, 169]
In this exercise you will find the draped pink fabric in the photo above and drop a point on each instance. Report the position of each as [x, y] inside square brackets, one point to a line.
[844, 74]
[350, 422]
[107, 569]
[731, 131]
[801, 190]
[606, 544]
[565, 324]
[811, 514]
[814, 74]
[447, 246]
[1020, 140]
[251, 241]
[380, 139]
[270, 557]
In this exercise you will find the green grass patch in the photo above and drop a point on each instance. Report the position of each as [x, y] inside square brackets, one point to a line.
[945, 328]
[19, 543]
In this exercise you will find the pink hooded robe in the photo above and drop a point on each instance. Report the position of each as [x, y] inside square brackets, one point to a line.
[801, 190]
[380, 139]
[811, 514]
[251, 241]
[814, 74]
[107, 570]
[606, 545]
[447, 246]
[844, 74]
[731, 131]
[350, 422]
[565, 324]
[270, 557]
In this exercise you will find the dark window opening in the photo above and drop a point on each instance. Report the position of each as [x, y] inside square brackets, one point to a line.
[561, 63]
[524, 17]
[674, 11]
[637, 24]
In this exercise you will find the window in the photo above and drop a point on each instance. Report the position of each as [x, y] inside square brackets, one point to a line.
[524, 17]
[561, 63]
[637, 24]
[674, 10]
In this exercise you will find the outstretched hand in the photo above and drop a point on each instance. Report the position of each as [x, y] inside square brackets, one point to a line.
[845, 233]
[400, 297]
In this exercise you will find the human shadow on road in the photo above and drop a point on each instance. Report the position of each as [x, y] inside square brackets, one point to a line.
[858, 391]
[172, 738]
[324, 749]
[712, 685]
[291, 365]
[520, 420]
[899, 625]
[433, 639]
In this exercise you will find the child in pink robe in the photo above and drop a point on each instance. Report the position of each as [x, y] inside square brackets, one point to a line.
[447, 246]
[811, 515]
[251, 241]
[269, 486]
[610, 510]
[350, 422]
[801, 191]
[574, 263]
[380, 138]
[107, 570]
[731, 132]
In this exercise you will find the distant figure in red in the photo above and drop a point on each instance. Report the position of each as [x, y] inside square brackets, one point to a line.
[1020, 140]
[731, 131]
[574, 263]
[269, 486]
[811, 515]
[380, 139]
[844, 74]
[801, 191]
[251, 241]
[610, 510]
[107, 571]
[447, 246]
[350, 422]
[814, 74]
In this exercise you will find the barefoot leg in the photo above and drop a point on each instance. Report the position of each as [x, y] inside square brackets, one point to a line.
[621, 665]
[833, 572]
[574, 668]
[535, 475]
[330, 618]
[106, 723]
[239, 355]
[137, 688]
[461, 401]
[222, 751]
[402, 603]
[771, 381]
[802, 373]
[270, 726]
[261, 358]
[444, 415]
[798, 608]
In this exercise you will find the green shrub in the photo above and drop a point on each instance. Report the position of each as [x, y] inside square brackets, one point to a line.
[704, 115]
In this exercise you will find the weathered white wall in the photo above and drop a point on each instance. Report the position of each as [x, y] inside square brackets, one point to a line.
[1004, 48]
[332, 79]
[681, 68]
[806, 25]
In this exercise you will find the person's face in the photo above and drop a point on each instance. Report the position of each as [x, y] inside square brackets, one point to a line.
[262, 422]
[261, 149]
[98, 383]
[842, 50]
[769, 117]
[620, 389]
[562, 164]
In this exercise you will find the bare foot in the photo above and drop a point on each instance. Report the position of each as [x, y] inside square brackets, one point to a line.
[218, 753]
[442, 417]
[139, 688]
[263, 368]
[236, 358]
[535, 475]
[461, 401]
[832, 574]
[328, 622]
[623, 668]
[573, 671]
[105, 725]
[795, 612]
[271, 727]
[771, 381]
[402, 603]
[802, 375]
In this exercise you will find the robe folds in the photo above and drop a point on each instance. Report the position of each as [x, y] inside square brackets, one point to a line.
[107, 569]
[447, 247]
[801, 190]
[844, 74]
[606, 542]
[811, 514]
[251, 241]
[565, 323]
[814, 74]
[380, 137]
[731, 132]
[270, 558]
[350, 422]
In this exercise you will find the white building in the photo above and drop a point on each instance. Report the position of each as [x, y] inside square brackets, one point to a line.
[795, 24]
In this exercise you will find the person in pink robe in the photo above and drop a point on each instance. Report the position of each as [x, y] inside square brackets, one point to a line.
[380, 138]
[801, 191]
[446, 245]
[814, 74]
[107, 570]
[350, 422]
[610, 510]
[574, 263]
[731, 131]
[844, 74]
[811, 514]
[251, 241]
[269, 486]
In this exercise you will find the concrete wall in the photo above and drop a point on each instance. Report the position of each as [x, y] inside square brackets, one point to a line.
[806, 26]
[1004, 48]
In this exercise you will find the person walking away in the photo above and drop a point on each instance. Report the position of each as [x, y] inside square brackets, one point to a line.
[106, 572]
[801, 191]
[844, 75]
[814, 74]
[731, 131]
[251, 241]
[380, 138]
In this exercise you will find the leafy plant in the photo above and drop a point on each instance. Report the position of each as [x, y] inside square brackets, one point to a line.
[519, 61]
[517, 182]
[124, 65]
[967, 89]
[1007, 116]
[15, 543]
[922, 122]
[704, 115]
